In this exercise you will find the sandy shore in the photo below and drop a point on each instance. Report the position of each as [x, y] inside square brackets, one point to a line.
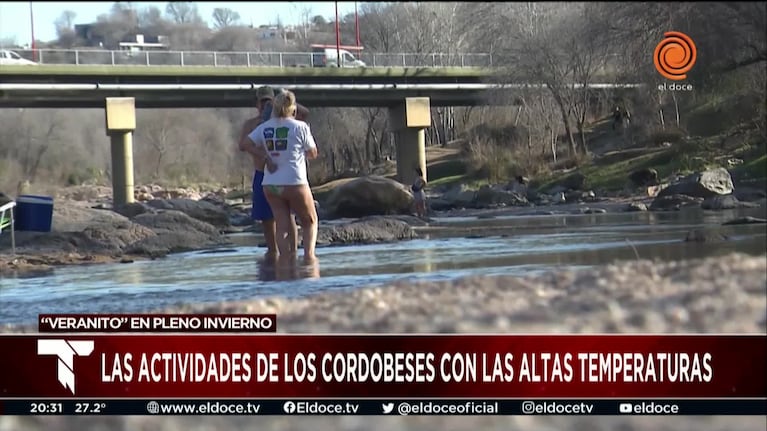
[723, 294]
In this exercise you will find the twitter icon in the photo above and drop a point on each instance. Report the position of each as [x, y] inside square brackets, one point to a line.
[387, 408]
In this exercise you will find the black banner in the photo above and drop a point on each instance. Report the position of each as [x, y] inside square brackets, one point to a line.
[504, 407]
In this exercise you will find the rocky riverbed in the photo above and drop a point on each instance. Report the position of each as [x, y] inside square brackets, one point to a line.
[715, 295]
[87, 229]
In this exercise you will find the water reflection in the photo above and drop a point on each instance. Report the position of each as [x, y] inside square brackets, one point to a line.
[286, 270]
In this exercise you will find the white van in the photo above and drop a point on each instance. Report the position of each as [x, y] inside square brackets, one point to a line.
[327, 56]
[10, 57]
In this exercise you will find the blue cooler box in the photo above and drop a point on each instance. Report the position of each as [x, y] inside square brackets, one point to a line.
[34, 213]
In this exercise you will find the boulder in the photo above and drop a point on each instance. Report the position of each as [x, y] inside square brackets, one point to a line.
[556, 190]
[366, 196]
[575, 181]
[644, 177]
[488, 195]
[131, 210]
[745, 220]
[636, 207]
[749, 194]
[366, 231]
[571, 184]
[438, 204]
[175, 232]
[704, 184]
[674, 202]
[726, 202]
[596, 211]
[460, 196]
[200, 210]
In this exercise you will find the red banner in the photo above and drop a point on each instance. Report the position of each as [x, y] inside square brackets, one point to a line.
[467, 366]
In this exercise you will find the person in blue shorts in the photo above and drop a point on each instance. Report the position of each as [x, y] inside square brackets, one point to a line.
[261, 210]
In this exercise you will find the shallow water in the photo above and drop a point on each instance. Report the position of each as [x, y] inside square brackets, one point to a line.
[449, 248]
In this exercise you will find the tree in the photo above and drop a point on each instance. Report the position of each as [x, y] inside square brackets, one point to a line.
[65, 21]
[306, 21]
[183, 12]
[319, 21]
[150, 21]
[65, 29]
[224, 17]
[541, 47]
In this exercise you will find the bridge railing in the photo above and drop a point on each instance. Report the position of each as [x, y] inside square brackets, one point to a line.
[249, 59]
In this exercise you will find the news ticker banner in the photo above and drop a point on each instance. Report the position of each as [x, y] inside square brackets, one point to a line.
[401, 407]
[382, 366]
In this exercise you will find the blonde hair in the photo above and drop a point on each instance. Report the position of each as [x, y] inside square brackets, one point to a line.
[284, 105]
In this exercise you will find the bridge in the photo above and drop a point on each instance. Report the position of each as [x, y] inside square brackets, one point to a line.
[81, 86]
[84, 57]
[408, 90]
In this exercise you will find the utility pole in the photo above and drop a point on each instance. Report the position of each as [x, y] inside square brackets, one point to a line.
[32, 26]
[338, 38]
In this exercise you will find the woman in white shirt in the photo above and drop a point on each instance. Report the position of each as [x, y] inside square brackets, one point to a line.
[287, 144]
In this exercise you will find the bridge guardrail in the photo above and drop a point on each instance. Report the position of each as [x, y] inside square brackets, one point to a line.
[248, 59]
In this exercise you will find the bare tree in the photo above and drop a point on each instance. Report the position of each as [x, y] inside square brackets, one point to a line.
[224, 17]
[183, 12]
[306, 21]
[150, 20]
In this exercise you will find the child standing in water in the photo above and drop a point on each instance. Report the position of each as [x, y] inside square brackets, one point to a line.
[418, 194]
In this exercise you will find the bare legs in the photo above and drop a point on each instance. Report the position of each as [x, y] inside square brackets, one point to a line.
[299, 199]
[420, 208]
[302, 201]
[270, 236]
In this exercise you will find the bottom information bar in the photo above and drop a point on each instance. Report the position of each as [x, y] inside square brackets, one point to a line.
[385, 407]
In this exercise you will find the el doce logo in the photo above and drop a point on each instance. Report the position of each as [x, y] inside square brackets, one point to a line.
[675, 55]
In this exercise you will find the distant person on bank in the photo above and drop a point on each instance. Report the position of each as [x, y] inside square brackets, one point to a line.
[419, 195]
[261, 210]
[286, 143]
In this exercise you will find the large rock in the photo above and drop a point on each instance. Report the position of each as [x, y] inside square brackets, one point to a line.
[745, 220]
[574, 181]
[133, 209]
[366, 231]
[749, 194]
[636, 207]
[460, 196]
[726, 202]
[674, 202]
[200, 210]
[702, 184]
[487, 196]
[109, 239]
[367, 196]
[439, 204]
[175, 232]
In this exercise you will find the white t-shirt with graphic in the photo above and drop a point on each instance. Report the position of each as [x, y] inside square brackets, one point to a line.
[286, 140]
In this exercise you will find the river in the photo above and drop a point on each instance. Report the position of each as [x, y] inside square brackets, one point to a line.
[448, 248]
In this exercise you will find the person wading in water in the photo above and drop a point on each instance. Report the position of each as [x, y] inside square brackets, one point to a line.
[261, 210]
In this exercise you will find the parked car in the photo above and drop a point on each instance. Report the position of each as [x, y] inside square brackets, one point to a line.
[10, 57]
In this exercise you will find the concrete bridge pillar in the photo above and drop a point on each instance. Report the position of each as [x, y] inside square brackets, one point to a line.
[409, 121]
[120, 124]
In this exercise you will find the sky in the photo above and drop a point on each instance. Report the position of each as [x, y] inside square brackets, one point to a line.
[16, 22]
